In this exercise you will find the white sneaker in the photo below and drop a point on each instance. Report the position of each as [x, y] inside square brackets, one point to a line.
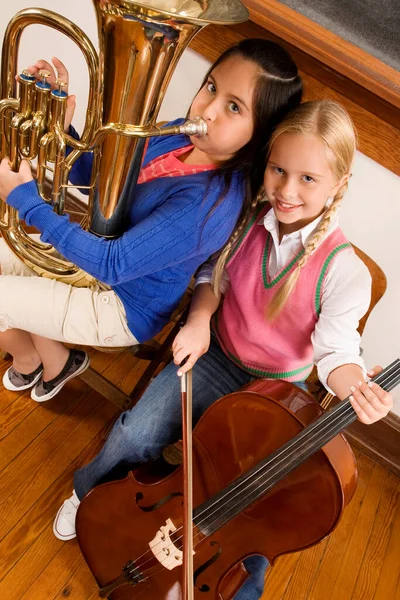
[64, 523]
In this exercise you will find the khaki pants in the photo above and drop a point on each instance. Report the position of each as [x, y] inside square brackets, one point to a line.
[57, 310]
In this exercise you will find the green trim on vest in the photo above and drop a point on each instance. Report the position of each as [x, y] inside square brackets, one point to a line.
[323, 272]
[258, 372]
[265, 262]
[245, 232]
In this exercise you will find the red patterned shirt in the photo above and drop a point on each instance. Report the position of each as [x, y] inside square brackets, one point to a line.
[169, 165]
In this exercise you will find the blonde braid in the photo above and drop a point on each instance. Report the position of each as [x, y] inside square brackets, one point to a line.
[235, 236]
[280, 298]
[331, 124]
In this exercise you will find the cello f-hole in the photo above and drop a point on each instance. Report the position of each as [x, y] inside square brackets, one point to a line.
[204, 566]
[156, 505]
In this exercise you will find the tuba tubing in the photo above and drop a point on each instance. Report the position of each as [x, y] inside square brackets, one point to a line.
[148, 37]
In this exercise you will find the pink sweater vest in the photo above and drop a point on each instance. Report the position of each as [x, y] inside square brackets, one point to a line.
[281, 349]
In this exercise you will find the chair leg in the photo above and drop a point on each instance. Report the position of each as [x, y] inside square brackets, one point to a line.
[104, 387]
[161, 358]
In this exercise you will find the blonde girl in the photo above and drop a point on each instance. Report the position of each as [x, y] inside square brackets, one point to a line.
[294, 292]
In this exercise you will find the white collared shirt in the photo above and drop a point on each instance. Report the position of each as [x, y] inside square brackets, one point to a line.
[345, 296]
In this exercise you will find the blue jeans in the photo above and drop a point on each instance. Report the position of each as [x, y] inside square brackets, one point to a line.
[155, 421]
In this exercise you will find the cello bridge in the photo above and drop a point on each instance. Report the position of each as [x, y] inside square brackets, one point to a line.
[164, 549]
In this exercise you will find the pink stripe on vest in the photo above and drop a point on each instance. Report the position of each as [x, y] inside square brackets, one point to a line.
[281, 349]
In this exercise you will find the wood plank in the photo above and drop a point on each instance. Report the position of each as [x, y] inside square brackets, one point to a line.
[67, 572]
[36, 419]
[389, 576]
[14, 412]
[353, 556]
[279, 576]
[26, 491]
[104, 386]
[80, 586]
[380, 441]
[43, 449]
[339, 540]
[378, 541]
[24, 553]
[305, 572]
[14, 583]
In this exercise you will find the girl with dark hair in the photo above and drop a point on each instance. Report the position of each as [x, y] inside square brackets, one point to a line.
[188, 199]
[293, 293]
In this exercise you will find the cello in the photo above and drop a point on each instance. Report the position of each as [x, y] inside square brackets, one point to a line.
[271, 475]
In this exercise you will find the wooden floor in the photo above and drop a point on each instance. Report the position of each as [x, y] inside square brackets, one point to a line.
[42, 444]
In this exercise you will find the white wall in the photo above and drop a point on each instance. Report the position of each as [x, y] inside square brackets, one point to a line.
[371, 212]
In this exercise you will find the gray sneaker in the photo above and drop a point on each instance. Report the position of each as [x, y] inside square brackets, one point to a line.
[78, 361]
[17, 382]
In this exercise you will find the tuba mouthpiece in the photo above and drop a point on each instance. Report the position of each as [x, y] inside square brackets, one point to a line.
[196, 127]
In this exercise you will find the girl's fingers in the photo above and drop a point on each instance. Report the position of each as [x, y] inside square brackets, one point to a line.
[25, 170]
[180, 355]
[365, 412]
[376, 395]
[61, 68]
[5, 164]
[58, 71]
[374, 371]
[43, 64]
[370, 402]
[188, 365]
[361, 414]
[69, 112]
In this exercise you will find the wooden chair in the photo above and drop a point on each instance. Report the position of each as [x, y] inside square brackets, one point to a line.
[379, 284]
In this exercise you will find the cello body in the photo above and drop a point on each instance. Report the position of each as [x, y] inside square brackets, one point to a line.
[117, 520]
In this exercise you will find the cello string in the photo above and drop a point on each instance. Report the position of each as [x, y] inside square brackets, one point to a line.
[341, 410]
[158, 568]
[379, 380]
[228, 496]
[255, 480]
[348, 414]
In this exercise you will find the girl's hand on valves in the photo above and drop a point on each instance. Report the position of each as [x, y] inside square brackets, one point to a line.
[10, 179]
[59, 71]
[369, 400]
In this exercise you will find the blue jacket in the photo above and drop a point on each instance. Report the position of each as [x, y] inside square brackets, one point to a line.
[173, 231]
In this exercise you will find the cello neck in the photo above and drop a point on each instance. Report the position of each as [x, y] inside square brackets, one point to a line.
[246, 489]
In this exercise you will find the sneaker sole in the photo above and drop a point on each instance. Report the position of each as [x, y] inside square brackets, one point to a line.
[14, 388]
[53, 393]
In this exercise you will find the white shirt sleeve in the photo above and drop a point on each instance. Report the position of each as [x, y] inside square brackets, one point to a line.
[204, 275]
[345, 299]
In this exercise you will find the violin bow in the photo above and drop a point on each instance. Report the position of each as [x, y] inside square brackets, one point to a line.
[186, 400]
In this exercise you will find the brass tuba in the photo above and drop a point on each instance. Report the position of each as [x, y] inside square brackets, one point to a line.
[140, 43]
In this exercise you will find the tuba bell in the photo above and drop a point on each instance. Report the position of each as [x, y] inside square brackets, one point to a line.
[140, 43]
